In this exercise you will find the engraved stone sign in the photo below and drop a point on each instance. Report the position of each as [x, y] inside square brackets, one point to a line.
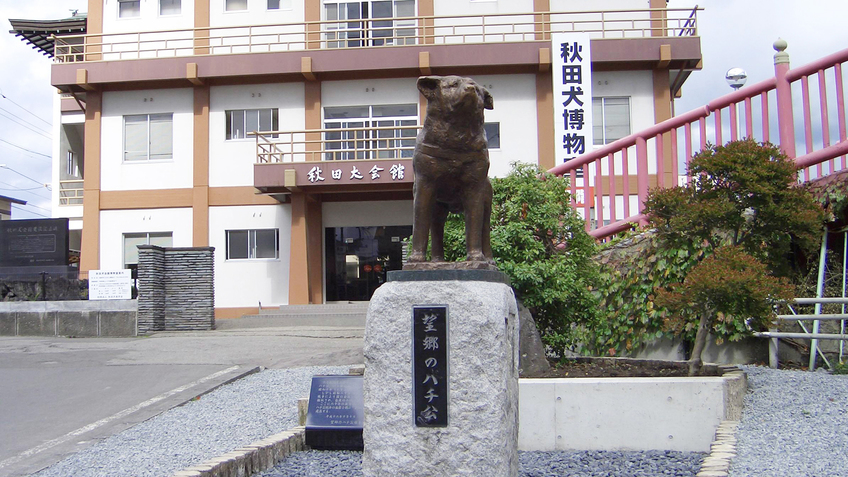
[430, 365]
[35, 242]
[335, 415]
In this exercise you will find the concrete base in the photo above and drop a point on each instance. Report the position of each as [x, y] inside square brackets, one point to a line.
[639, 414]
[81, 318]
[482, 433]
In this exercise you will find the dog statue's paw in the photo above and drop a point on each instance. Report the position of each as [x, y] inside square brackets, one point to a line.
[416, 257]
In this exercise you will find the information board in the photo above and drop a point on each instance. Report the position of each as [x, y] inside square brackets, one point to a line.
[110, 284]
[336, 413]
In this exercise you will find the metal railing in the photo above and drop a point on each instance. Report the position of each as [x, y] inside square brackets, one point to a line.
[376, 32]
[71, 192]
[661, 152]
[775, 336]
[390, 142]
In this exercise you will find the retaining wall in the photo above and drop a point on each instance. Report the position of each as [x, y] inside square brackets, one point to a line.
[112, 318]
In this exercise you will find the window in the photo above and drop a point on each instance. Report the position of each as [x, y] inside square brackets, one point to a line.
[243, 121]
[132, 241]
[169, 7]
[279, 5]
[357, 140]
[253, 244]
[369, 23]
[235, 5]
[611, 118]
[129, 8]
[72, 165]
[493, 135]
[148, 137]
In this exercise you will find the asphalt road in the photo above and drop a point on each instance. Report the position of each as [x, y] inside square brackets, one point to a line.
[59, 395]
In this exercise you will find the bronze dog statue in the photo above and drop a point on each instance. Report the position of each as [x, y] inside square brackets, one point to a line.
[451, 165]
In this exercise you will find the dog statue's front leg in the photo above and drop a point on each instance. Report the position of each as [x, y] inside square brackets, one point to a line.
[422, 213]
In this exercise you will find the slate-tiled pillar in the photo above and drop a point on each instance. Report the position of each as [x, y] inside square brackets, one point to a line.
[189, 288]
[151, 288]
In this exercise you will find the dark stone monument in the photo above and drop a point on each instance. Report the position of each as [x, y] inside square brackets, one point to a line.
[335, 415]
[451, 164]
[430, 365]
[30, 247]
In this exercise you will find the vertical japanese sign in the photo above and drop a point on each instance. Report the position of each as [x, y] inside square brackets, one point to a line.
[572, 76]
[430, 365]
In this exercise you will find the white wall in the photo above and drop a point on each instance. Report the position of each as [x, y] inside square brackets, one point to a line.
[367, 214]
[257, 13]
[597, 5]
[115, 223]
[369, 92]
[245, 283]
[477, 7]
[515, 109]
[231, 162]
[148, 19]
[139, 175]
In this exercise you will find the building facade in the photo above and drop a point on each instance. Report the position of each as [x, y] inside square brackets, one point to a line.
[280, 132]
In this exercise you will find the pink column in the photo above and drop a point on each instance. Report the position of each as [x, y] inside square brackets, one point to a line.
[785, 119]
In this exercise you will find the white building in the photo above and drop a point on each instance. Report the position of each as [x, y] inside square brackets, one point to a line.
[160, 97]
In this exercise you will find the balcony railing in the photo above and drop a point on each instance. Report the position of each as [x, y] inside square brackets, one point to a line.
[392, 142]
[378, 32]
[70, 192]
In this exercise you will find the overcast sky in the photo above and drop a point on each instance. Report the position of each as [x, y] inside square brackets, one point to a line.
[733, 33]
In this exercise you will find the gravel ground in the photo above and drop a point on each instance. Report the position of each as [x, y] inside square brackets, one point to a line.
[532, 464]
[232, 416]
[795, 423]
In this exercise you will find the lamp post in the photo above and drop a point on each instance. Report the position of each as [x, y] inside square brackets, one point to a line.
[736, 78]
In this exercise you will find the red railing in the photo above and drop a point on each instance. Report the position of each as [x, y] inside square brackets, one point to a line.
[621, 173]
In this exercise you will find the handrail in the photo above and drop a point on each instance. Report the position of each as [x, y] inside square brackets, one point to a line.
[428, 29]
[612, 167]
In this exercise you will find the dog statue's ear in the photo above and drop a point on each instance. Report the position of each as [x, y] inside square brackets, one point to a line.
[488, 101]
[428, 85]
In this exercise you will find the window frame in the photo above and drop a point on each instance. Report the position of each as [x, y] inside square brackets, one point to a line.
[149, 122]
[496, 124]
[251, 244]
[137, 9]
[599, 121]
[227, 10]
[228, 116]
[369, 121]
[178, 12]
[282, 5]
[146, 236]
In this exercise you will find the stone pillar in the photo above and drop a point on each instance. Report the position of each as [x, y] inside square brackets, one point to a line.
[151, 288]
[176, 288]
[481, 437]
[189, 288]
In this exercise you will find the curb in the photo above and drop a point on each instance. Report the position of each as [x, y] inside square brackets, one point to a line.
[722, 451]
[256, 457]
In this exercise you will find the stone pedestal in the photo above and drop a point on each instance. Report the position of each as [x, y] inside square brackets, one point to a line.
[481, 437]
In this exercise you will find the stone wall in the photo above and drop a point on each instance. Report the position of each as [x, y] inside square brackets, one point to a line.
[175, 289]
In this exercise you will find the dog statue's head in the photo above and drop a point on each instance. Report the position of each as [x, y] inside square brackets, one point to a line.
[455, 97]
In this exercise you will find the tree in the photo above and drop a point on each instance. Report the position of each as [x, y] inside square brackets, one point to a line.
[540, 242]
[745, 212]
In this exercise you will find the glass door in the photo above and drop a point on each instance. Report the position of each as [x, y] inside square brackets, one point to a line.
[357, 259]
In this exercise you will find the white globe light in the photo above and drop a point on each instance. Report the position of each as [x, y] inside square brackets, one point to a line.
[736, 77]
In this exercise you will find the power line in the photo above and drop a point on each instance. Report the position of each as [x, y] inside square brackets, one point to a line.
[21, 122]
[31, 212]
[22, 190]
[4, 166]
[25, 149]
[28, 111]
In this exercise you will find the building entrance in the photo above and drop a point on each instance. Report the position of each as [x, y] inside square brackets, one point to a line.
[358, 258]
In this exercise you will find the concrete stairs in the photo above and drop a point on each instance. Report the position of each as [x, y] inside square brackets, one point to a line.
[344, 315]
